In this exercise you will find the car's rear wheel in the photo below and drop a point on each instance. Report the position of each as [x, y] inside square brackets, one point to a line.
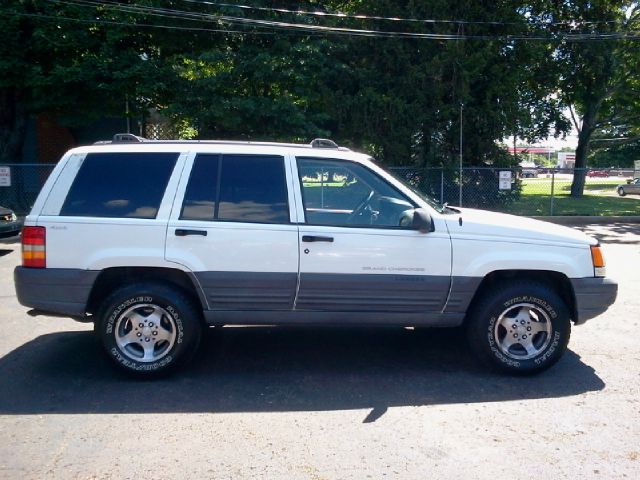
[149, 329]
[522, 328]
[621, 191]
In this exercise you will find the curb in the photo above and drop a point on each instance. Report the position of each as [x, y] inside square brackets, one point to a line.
[589, 220]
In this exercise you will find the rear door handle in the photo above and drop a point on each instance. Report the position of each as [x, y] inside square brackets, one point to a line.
[315, 238]
[181, 232]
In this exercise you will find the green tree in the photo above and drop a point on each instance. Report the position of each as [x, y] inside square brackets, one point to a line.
[249, 87]
[78, 70]
[616, 142]
[595, 74]
[397, 98]
[400, 99]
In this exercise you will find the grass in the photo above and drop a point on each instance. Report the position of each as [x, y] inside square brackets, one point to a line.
[599, 199]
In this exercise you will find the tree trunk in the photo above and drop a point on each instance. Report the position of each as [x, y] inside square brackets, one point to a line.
[426, 146]
[582, 150]
[13, 125]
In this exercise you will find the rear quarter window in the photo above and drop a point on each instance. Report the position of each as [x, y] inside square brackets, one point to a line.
[119, 185]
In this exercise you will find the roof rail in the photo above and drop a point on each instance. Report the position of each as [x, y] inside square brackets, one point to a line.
[323, 143]
[127, 138]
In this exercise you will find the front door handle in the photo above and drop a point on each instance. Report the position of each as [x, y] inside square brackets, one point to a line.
[315, 238]
[181, 232]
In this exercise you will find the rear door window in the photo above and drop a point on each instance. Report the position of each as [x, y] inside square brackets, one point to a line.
[237, 188]
[119, 185]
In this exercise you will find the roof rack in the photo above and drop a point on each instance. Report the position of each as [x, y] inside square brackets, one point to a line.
[323, 143]
[127, 138]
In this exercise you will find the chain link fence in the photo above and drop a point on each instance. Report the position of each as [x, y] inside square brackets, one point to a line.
[473, 187]
[532, 192]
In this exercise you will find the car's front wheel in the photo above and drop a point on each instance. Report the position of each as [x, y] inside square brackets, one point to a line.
[148, 329]
[520, 328]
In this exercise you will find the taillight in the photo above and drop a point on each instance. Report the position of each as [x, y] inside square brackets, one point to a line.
[34, 247]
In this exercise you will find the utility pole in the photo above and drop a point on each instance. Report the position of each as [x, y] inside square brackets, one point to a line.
[460, 194]
[126, 110]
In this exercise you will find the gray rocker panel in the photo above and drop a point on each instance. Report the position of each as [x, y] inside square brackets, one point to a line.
[248, 290]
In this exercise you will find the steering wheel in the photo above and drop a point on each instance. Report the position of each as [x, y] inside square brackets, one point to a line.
[359, 210]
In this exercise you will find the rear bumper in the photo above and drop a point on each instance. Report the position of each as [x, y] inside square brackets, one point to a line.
[593, 297]
[59, 291]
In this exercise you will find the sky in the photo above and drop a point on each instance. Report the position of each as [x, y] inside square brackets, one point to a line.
[569, 141]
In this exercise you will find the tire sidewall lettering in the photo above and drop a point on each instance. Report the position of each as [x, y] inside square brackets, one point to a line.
[139, 367]
[179, 327]
[550, 349]
[109, 324]
[534, 300]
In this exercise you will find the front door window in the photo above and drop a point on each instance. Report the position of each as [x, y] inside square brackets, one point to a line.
[342, 193]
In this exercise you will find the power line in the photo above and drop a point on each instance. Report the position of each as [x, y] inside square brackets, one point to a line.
[150, 11]
[124, 24]
[189, 15]
[390, 19]
[319, 29]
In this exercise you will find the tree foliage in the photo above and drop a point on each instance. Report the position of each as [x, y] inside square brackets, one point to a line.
[595, 76]
[79, 70]
[403, 100]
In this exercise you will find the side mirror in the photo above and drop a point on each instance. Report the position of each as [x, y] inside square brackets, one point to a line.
[422, 221]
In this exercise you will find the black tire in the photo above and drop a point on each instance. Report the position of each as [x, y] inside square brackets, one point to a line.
[621, 192]
[519, 328]
[149, 329]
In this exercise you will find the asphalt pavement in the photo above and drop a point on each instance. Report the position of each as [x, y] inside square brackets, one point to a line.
[323, 403]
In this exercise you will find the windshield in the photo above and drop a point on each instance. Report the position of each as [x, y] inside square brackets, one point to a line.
[409, 178]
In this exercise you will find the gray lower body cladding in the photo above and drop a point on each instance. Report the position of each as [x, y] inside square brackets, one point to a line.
[593, 296]
[323, 292]
[57, 290]
[248, 290]
[270, 298]
[333, 318]
[372, 293]
[258, 298]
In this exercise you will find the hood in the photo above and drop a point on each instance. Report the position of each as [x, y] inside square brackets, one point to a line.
[504, 227]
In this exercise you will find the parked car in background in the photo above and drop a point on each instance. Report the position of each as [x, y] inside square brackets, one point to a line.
[529, 173]
[10, 226]
[597, 173]
[633, 187]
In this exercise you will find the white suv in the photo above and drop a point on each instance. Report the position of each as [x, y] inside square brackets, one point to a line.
[153, 241]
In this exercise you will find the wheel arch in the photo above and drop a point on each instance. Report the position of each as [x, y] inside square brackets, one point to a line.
[112, 278]
[559, 282]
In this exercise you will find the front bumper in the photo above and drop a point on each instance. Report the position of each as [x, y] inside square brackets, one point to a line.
[593, 297]
[60, 291]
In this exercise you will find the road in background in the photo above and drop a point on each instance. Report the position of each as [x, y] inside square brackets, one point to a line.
[323, 403]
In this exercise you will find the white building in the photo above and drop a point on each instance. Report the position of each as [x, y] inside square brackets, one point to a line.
[566, 160]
